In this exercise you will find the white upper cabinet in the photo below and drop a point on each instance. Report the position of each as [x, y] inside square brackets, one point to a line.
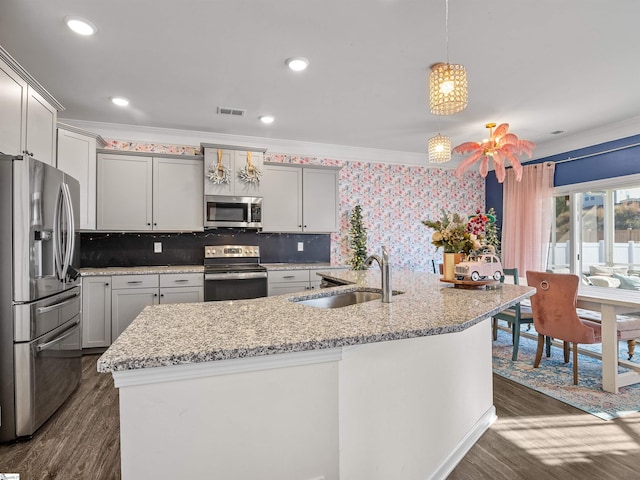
[300, 198]
[177, 194]
[320, 199]
[41, 128]
[139, 193]
[282, 199]
[124, 193]
[77, 157]
[28, 113]
[233, 162]
[13, 92]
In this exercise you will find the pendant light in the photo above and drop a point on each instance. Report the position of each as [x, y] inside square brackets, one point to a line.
[447, 82]
[439, 149]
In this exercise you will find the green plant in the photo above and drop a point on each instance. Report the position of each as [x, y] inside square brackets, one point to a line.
[357, 240]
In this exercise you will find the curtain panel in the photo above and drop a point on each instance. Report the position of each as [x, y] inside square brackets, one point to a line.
[526, 225]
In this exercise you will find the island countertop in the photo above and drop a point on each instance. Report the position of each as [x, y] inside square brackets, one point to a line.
[175, 334]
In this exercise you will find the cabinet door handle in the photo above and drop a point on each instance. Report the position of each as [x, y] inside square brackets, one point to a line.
[148, 224]
[162, 294]
[155, 294]
[106, 284]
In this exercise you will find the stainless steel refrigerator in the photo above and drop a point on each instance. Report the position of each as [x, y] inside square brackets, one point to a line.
[40, 341]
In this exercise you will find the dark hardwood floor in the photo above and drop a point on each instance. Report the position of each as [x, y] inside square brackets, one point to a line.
[535, 437]
[538, 437]
[81, 441]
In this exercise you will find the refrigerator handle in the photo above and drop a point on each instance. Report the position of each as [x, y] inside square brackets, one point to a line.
[70, 241]
[57, 237]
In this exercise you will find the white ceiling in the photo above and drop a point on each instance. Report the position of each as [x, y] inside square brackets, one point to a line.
[539, 65]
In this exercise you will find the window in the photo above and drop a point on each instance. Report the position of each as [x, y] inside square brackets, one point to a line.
[596, 230]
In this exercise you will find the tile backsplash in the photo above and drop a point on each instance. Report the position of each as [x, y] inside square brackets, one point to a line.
[136, 249]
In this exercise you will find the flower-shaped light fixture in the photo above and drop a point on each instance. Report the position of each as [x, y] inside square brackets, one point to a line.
[447, 82]
[439, 149]
[500, 146]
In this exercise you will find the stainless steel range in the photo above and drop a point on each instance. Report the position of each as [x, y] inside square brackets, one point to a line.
[233, 272]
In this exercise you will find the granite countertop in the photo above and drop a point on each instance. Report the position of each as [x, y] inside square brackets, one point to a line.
[99, 271]
[186, 333]
[303, 266]
[95, 271]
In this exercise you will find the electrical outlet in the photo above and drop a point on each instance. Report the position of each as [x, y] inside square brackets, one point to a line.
[300, 246]
[157, 247]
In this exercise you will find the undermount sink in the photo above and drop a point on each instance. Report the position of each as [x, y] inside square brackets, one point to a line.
[341, 299]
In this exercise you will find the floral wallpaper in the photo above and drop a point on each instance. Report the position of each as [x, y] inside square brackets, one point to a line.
[153, 147]
[394, 200]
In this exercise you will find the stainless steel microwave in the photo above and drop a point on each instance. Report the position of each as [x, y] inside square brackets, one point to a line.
[234, 212]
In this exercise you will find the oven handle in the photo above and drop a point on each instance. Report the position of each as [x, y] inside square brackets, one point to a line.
[67, 333]
[235, 276]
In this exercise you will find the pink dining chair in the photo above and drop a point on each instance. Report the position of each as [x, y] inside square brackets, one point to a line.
[555, 316]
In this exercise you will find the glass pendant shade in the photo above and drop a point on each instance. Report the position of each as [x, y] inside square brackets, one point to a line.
[447, 89]
[439, 149]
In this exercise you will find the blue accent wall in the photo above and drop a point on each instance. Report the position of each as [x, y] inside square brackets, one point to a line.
[597, 167]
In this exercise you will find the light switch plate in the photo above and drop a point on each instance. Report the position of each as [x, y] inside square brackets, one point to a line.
[157, 247]
[300, 246]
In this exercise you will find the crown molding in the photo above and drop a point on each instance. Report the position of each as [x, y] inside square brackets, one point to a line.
[144, 134]
[26, 76]
[588, 138]
[138, 133]
[100, 143]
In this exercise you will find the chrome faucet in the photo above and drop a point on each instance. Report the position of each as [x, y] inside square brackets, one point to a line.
[385, 269]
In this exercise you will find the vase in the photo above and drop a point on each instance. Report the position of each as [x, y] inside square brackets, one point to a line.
[450, 260]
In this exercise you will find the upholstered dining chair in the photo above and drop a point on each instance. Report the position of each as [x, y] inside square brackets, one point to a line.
[555, 316]
[515, 316]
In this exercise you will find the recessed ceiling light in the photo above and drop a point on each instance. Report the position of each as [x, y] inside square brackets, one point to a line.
[80, 25]
[120, 101]
[297, 64]
[267, 119]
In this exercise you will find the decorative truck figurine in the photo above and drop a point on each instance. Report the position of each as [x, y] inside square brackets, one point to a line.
[482, 267]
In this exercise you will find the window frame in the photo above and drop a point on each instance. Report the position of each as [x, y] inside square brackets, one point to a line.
[575, 192]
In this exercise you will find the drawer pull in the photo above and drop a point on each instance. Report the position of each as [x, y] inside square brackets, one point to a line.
[133, 282]
[181, 280]
[289, 276]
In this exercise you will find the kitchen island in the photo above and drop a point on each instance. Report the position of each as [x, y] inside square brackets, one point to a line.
[272, 389]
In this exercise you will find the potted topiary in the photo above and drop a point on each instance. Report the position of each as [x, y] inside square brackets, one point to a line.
[357, 240]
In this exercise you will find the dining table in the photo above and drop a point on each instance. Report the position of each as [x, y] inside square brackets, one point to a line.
[611, 302]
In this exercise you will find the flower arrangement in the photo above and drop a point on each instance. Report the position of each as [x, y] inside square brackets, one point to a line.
[456, 234]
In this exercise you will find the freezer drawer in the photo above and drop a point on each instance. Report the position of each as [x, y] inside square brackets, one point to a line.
[47, 371]
[33, 320]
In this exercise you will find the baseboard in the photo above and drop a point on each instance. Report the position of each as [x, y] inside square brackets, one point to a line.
[470, 439]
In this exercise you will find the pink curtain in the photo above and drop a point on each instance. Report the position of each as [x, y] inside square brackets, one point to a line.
[527, 210]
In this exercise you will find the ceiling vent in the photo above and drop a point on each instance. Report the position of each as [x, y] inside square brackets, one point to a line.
[236, 112]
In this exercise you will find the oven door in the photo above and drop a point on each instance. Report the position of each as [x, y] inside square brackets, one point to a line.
[234, 286]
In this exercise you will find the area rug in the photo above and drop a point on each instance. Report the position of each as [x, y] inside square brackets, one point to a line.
[555, 378]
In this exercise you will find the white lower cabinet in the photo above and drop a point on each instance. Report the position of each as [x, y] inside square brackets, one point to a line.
[110, 304]
[280, 282]
[96, 312]
[181, 288]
